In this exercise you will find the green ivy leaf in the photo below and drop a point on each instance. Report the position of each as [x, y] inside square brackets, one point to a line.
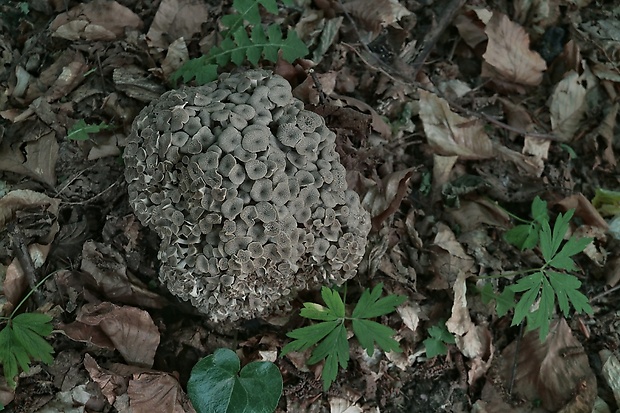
[216, 385]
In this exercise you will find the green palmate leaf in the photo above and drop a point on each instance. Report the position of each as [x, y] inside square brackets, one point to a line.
[335, 350]
[505, 302]
[333, 301]
[370, 305]
[21, 341]
[217, 386]
[562, 283]
[523, 236]
[573, 246]
[539, 210]
[541, 318]
[579, 301]
[306, 337]
[315, 311]
[368, 332]
[331, 334]
[531, 285]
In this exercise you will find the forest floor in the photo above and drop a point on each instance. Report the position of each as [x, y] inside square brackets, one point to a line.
[452, 120]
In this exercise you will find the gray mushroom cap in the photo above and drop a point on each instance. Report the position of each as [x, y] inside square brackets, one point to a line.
[246, 191]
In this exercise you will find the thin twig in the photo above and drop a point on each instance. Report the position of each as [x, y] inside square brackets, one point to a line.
[20, 250]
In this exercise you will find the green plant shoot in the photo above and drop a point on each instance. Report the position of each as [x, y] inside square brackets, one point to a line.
[331, 334]
[81, 131]
[541, 287]
[439, 336]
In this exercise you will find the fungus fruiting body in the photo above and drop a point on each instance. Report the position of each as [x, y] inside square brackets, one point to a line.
[246, 191]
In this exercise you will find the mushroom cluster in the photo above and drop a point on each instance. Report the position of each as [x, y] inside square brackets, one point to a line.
[247, 193]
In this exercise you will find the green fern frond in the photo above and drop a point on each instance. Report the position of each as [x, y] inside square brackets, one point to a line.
[247, 10]
[239, 47]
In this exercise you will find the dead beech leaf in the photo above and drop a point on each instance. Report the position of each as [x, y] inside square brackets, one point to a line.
[384, 200]
[568, 106]
[109, 273]
[460, 322]
[449, 258]
[151, 391]
[376, 14]
[556, 372]
[450, 134]
[508, 52]
[130, 330]
[111, 384]
[410, 313]
[37, 159]
[97, 20]
[606, 131]
[471, 28]
[21, 199]
[175, 19]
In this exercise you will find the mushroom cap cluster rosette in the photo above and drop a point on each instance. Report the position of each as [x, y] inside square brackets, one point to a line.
[247, 193]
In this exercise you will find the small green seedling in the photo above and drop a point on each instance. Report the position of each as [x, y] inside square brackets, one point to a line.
[217, 386]
[439, 336]
[81, 131]
[237, 46]
[553, 280]
[332, 333]
[22, 340]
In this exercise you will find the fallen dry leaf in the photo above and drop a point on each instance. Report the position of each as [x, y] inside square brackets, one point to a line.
[157, 392]
[555, 371]
[460, 322]
[568, 106]
[449, 258]
[376, 14]
[129, 330]
[606, 131]
[111, 384]
[176, 19]
[109, 272]
[97, 20]
[509, 55]
[36, 159]
[450, 134]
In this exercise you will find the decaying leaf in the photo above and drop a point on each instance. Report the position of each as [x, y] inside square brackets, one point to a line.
[97, 20]
[508, 52]
[376, 14]
[129, 330]
[450, 134]
[37, 159]
[554, 373]
[568, 106]
[176, 19]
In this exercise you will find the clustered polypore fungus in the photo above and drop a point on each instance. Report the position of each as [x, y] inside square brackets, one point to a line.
[247, 193]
